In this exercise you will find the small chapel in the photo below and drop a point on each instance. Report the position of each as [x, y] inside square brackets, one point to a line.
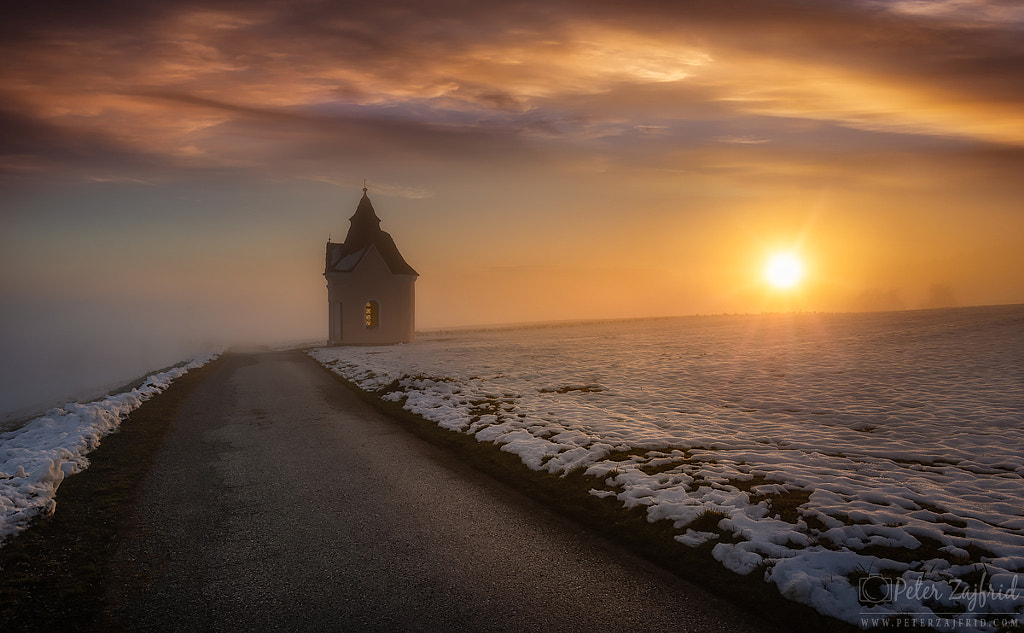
[371, 294]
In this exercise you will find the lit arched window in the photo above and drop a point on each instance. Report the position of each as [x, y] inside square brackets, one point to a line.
[372, 314]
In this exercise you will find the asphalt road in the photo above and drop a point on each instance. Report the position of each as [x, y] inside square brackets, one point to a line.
[282, 502]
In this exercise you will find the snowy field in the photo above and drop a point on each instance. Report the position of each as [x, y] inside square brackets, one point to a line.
[35, 458]
[868, 465]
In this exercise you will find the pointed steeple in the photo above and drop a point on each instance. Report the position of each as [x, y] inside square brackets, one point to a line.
[364, 230]
[364, 224]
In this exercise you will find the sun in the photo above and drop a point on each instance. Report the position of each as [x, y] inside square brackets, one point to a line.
[784, 270]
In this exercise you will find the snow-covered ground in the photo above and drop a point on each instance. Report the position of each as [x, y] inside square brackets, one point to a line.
[868, 465]
[35, 458]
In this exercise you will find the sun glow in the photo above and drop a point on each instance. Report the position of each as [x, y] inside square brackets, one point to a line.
[784, 270]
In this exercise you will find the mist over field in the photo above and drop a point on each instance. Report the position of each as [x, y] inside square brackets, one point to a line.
[56, 355]
[171, 171]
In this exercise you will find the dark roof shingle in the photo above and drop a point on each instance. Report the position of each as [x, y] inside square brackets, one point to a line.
[364, 232]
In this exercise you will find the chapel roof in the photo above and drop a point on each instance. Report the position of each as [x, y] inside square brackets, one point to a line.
[364, 231]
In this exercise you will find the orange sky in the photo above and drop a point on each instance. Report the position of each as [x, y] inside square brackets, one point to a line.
[176, 167]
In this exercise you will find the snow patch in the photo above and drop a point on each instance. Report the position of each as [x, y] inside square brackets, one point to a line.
[36, 458]
[835, 447]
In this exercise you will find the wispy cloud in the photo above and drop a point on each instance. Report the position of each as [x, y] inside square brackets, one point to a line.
[744, 140]
[240, 86]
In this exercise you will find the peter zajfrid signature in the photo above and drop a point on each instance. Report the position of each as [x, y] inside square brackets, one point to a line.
[970, 597]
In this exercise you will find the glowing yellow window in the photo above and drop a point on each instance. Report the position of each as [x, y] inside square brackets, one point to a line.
[372, 314]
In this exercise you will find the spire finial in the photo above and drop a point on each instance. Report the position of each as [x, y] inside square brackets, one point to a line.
[364, 185]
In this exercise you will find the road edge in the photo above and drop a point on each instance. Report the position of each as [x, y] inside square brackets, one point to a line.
[569, 496]
[57, 574]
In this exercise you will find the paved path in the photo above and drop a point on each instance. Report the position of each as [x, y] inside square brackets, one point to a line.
[281, 502]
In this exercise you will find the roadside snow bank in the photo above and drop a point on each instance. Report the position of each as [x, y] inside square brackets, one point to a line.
[36, 458]
[870, 466]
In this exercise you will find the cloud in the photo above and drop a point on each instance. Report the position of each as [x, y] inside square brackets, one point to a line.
[244, 86]
[744, 140]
